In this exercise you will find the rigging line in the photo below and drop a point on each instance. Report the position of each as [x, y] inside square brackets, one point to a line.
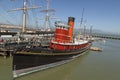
[42, 3]
[17, 18]
[33, 12]
[20, 20]
[28, 19]
[15, 4]
[4, 14]
[49, 23]
[14, 18]
[6, 19]
[31, 2]
[36, 20]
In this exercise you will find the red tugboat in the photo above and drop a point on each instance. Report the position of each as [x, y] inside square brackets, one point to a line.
[63, 40]
[61, 48]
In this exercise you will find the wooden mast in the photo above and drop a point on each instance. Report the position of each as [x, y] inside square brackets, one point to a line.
[47, 17]
[24, 16]
[25, 8]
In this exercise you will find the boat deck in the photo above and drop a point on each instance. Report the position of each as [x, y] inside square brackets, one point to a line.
[50, 52]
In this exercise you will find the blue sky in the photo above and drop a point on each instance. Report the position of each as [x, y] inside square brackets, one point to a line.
[101, 14]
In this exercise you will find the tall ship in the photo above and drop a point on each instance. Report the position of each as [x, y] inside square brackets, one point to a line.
[49, 51]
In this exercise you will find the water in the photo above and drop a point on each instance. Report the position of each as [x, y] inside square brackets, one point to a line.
[6, 68]
[90, 66]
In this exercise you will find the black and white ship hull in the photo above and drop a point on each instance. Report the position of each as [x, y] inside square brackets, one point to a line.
[29, 62]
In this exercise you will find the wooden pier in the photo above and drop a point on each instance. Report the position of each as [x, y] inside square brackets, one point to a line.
[30, 33]
[9, 45]
[95, 49]
[4, 52]
[106, 36]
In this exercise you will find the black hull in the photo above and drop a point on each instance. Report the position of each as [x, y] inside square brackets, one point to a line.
[24, 63]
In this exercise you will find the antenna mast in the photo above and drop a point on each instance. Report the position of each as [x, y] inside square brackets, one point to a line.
[81, 22]
[25, 8]
[47, 18]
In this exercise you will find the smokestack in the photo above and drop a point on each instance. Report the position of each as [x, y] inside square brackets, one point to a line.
[70, 30]
[71, 21]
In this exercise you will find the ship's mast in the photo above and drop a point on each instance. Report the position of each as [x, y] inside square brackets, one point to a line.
[85, 30]
[25, 8]
[24, 16]
[47, 17]
[90, 31]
